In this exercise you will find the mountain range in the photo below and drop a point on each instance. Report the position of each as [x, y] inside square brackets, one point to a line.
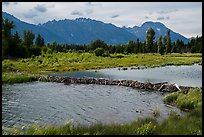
[84, 30]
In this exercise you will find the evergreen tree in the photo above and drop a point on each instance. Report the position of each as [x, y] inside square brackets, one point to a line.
[137, 50]
[39, 41]
[130, 47]
[16, 42]
[97, 44]
[28, 38]
[17, 38]
[7, 26]
[168, 42]
[6, 37]
[150, 36]
[160, 45]
[164, 43]
[174, 50]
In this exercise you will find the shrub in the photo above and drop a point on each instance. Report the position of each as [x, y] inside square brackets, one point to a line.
[191, 100]
[120, 56]
[99, 51]
[117, 56]
[170, 98]
[7, 65]
[146, 129]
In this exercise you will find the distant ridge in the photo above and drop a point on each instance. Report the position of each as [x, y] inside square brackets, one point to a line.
[84, 30]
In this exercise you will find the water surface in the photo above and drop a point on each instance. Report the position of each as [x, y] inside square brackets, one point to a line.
[53, 103]
[184, 75]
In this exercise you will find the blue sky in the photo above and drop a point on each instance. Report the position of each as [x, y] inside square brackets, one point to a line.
[182, 17]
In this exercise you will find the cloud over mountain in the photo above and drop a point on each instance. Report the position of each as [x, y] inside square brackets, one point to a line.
[84, 30]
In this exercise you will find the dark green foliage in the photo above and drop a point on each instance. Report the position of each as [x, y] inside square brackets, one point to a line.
[160, 45]
[6, 27]
[34, 51]
[164, 42]
[39, 41]
[195, 45]
[6, 38]
[99, 52]
[97, 44]
[168, 42]
[28, 38]
[150, 36]
[131, 47]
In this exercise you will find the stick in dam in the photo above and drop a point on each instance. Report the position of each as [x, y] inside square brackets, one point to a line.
[164, 86]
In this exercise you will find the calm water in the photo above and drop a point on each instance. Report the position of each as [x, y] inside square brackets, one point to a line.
[50, 103]
[185, 75]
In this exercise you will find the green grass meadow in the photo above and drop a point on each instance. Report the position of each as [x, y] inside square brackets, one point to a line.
[27, 70]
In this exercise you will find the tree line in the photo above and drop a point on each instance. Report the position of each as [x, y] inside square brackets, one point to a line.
[15, 47]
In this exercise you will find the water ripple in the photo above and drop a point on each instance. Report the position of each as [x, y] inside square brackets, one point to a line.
[54, 103]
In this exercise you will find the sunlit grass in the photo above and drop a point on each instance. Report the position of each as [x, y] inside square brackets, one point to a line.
[11, 78]
[81, 61]
[185, 101]
[190, 124]
[66, 62]
[140, 127]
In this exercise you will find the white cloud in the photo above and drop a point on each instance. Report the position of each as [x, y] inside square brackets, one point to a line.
[41, 8]
[89, 11]
[5, 3]
[75, 12]
[31, 14]
[182, 17]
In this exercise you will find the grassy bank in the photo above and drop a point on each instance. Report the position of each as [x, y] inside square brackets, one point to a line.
[185, 101]
[66, 62]
[190, 124]
[10, 78]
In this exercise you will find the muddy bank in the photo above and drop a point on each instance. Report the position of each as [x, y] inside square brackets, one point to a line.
[164, 87]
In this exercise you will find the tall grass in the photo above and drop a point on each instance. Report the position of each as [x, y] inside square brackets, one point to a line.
[185, 101]
[66, 62]
[176, 125]
[140, 127]
[60, 62]
[191, 124]
[11, 78]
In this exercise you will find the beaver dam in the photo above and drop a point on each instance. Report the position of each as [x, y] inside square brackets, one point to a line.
[128, 83]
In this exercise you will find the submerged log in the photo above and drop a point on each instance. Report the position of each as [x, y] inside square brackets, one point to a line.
[164, 87]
